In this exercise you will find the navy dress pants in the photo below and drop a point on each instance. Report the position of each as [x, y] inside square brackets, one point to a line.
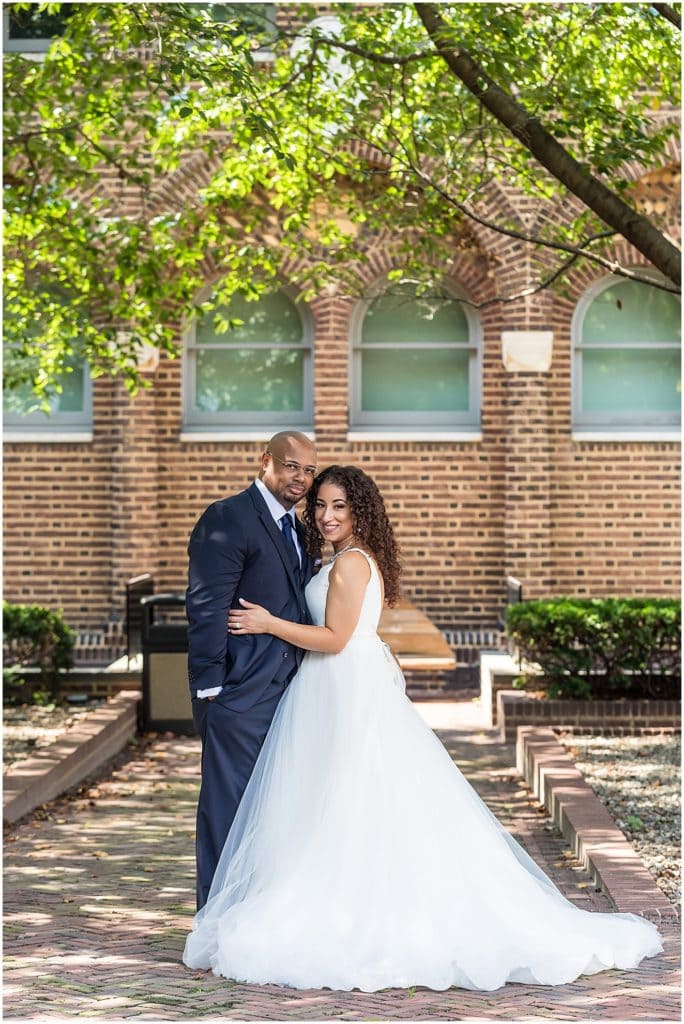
[231, 742]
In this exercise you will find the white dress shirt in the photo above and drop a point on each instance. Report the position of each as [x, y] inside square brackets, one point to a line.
[277, 511]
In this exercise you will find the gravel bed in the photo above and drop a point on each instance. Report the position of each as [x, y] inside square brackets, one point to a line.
[638, 778]
[29, 727]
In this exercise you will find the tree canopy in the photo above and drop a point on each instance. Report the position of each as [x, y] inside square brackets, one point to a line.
[308, 137]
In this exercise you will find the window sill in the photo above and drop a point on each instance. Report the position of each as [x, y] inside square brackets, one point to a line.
[47, 437]
[228, 436]
[28, 54]
[418, 436]
[626, 436]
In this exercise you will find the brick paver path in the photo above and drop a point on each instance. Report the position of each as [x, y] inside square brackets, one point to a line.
[99, 897]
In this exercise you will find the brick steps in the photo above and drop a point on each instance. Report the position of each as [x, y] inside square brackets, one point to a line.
[591, 832]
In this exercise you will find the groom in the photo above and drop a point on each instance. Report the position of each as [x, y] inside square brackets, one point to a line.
[250, 545]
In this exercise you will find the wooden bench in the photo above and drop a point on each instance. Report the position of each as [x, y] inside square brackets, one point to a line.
[415, 642]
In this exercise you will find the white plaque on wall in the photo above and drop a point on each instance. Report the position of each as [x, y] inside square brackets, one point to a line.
[527, 351]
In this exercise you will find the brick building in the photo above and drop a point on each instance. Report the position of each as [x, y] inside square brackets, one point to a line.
[538, 438]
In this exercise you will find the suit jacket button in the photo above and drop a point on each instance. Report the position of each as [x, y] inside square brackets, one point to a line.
[285, 654]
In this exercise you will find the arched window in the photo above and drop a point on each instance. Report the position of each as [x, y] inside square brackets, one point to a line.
[68, 394]
[627, 342]
[415, 361]
[257, 372]
[71, 407]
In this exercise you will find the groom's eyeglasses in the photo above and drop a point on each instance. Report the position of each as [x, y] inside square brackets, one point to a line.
[294, 467]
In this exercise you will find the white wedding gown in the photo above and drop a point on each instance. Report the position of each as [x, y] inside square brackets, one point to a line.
[360, 857]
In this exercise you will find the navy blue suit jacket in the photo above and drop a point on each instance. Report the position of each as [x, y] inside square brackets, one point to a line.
[237, 550]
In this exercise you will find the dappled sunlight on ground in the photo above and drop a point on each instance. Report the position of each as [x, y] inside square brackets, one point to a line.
[99, 897]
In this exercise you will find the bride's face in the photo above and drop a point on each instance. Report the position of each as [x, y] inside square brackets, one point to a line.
[333, 515]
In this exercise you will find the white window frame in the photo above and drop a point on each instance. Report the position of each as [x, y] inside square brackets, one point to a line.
[56, 426]
[36, 48]
[465, 422]
[198, 421]
[609, 423]
[264, 52]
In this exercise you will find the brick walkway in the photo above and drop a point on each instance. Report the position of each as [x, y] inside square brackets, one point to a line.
[99, 897]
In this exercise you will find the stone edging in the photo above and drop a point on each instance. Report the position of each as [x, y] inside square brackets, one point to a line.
[594, 837]
[97, 738]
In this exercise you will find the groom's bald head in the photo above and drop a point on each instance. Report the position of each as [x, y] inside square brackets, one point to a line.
[288, 466]
[284, 440]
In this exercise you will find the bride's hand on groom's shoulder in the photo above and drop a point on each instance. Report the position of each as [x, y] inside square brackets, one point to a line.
[251, 618]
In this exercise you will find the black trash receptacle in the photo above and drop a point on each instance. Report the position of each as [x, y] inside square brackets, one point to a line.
[166, 697]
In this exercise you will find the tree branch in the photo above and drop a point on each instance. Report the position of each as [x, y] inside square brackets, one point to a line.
[545, 147]
[667, 11]
[576, 251]
[124, 171]
[525, 293]
[529, 131]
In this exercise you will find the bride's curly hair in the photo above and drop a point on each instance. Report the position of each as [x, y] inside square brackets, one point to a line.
[369, 516]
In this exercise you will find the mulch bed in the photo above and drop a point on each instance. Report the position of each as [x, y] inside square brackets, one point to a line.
[30, 727]
[638, 778]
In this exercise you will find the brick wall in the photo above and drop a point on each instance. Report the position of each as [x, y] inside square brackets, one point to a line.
[565, 516]
[614, 505]
[58, 521]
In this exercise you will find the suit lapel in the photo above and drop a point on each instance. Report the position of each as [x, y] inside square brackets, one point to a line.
[274, 532]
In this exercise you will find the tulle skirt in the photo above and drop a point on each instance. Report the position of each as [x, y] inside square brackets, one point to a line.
[360, 857]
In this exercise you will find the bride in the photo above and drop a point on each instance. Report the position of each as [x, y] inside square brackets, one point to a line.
[360, 857]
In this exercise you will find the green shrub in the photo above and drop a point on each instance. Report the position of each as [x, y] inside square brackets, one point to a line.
[601, 647]
[35, 637]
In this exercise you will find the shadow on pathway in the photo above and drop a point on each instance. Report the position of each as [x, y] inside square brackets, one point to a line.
[99, 897]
